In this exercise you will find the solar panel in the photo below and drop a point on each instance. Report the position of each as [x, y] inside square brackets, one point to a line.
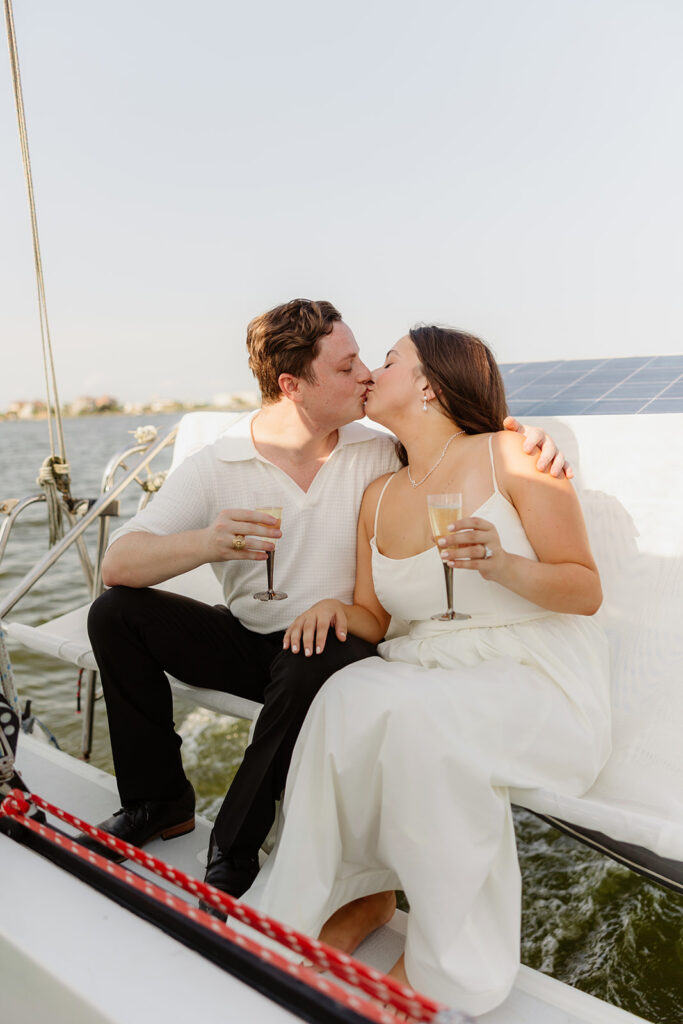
[595, 387]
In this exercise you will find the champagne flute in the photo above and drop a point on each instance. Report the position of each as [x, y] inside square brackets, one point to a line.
[270, 594]
[445, 509]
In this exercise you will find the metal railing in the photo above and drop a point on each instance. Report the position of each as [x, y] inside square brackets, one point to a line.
[100, 511]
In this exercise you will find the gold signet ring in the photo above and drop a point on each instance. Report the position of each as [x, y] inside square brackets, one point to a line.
[238, 542]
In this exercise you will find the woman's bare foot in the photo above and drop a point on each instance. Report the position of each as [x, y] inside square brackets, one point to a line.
[352, 923]
[398, 973]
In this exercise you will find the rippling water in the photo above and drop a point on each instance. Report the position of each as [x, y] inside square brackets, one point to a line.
[586, 920]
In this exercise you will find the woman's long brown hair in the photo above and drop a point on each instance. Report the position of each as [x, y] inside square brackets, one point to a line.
[464, 376]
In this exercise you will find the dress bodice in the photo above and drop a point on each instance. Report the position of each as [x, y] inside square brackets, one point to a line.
[413, 589]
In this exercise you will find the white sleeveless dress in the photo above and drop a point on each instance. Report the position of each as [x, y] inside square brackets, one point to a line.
[400, 776]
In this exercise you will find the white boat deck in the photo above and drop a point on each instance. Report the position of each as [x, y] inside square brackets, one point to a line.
[66, 947]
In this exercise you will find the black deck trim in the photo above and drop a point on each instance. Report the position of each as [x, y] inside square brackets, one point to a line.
[662, 870]
[290, 993]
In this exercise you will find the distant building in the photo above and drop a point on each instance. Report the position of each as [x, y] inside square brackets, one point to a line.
[13, 410]
[82, 406]
[236, 400]
[164, 405]
[26, 410]
[106, 403]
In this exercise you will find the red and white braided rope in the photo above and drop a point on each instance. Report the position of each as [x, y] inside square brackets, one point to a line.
[377, 985]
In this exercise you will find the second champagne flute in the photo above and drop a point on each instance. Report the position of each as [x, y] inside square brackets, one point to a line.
[270, 594]
[445, 509]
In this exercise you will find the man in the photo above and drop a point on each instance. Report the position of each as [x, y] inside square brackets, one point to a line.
[303, 451]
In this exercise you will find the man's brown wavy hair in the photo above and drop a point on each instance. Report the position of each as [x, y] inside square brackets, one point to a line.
[286, 340]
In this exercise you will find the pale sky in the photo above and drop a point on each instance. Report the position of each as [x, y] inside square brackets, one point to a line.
[511, 167]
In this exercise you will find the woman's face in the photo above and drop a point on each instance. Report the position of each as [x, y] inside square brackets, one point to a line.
[397, 384]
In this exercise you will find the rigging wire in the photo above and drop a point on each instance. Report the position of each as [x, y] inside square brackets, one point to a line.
[48, 359]
[54, 473]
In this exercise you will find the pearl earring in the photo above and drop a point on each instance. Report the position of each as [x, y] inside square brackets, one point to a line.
[424, 405]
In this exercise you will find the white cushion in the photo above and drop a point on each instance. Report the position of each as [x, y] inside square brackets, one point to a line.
[65, 637]
[631, 489]
[197, 429]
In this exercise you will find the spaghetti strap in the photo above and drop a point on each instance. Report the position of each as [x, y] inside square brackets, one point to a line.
[379, 501]
[493, 468]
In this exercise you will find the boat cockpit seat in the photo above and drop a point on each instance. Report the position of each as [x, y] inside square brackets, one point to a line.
[631, 488]
[628, 478]
[66, 637]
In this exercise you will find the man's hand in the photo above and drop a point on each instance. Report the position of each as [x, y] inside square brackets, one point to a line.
[243, 527]
[550, 457]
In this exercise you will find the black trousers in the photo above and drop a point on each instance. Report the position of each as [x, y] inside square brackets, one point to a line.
[139, 634]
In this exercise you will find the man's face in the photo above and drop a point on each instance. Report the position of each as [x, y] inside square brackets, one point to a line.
[337, 394]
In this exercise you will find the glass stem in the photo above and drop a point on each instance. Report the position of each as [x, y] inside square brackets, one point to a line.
[448, 573]
[270, 556]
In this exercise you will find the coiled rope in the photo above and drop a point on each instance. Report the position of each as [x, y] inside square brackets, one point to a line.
[54, 474]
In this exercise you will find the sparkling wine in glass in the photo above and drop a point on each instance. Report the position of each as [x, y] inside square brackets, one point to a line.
[445, 509]
[270, 594]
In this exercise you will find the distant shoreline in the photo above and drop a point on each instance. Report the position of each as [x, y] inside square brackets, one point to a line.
[181, 409]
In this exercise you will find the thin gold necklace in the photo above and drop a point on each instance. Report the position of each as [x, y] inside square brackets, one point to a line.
[437, 463]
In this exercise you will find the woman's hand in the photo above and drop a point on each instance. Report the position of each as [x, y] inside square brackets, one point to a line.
[236, 534]
[309, 630]
[474, 544]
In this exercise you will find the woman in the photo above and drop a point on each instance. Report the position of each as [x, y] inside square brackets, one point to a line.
[400, 775]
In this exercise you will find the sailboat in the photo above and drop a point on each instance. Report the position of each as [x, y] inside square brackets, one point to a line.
[88, 942]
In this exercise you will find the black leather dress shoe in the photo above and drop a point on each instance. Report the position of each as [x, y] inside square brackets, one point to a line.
[143, 820]
[233, 875]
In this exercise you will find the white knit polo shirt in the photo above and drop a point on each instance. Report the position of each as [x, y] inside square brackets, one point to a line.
[316, 555]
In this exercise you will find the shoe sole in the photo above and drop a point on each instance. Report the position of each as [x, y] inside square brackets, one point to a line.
[177, 830]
